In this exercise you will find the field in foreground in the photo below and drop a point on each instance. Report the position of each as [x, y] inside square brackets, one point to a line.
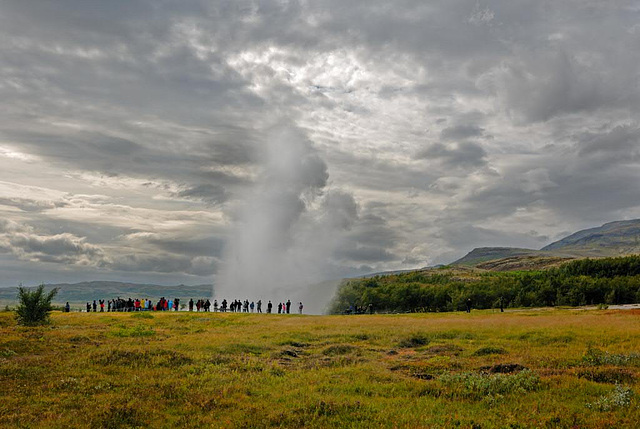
[558, 368]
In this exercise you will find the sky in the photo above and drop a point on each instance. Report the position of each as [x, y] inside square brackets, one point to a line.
[246, 141]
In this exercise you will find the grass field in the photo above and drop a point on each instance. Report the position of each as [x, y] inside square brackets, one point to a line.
[558, 368]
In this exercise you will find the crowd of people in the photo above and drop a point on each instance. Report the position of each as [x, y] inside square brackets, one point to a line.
[164, 304]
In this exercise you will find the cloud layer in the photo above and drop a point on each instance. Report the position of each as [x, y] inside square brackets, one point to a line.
[133, 134]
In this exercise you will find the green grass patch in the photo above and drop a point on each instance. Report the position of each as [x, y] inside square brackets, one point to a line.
[133, 331]
[417, 339]
[490, 350]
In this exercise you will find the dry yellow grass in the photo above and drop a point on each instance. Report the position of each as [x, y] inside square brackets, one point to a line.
[239, 370]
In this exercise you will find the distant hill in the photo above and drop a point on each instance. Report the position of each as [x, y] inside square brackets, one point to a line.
[88, 291]
[612, 239]
[485, 254]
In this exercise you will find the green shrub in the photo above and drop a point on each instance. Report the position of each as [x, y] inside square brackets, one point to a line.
[490, 350]
[414, 340]
[595, 356]
[619, 397]
[476, 386]
[34, 306]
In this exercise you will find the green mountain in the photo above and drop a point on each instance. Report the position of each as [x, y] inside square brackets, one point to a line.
[88, 291]
[485, 254]
[611, 239]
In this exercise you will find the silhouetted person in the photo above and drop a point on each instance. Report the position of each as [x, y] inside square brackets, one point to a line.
[88, 308]
[191, 304]
[259, 306]
[224, 306]
[501, 305]
[95, 306]
[67, 308]
[300, 307]
[279, 308]
[215, 305]
[468, 305]
[288, 306]
[269, 307]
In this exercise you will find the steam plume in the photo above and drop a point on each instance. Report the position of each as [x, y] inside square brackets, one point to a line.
[287, 228]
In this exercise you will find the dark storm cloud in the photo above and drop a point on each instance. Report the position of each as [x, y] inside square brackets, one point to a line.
[213, 194]
[622, 142]
[463, 155]
[445, 124]
[461, 132]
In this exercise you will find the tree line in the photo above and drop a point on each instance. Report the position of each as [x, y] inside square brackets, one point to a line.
[576, 283]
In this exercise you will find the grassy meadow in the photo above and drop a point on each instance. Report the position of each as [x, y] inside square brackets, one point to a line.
[519, 369]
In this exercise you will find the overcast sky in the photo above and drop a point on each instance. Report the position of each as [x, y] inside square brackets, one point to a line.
[132, 133]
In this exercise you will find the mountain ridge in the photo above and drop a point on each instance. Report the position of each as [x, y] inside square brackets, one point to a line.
[617, 238]
[98, 289]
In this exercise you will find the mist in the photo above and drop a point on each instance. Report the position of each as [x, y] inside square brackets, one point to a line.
[288, 227]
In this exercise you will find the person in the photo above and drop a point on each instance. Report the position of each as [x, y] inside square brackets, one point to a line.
[279, 308]
[95, 306]
[468, 305]
[215, 305]
[67, 308]
[288, 306]
[207, 305]
[176, 304]
[370, 308]
[259, 306]
[191, 304]
[501, 305]
[102, 306]
[300, 307]
[198, 305]
[224, 305]
[88, 308]
[252, 306]
[269, 307]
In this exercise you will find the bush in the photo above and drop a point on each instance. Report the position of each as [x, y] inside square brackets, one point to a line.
[490, 350]
[34, 306]
[477, 386]
[415, 340]
[619, 397]
[596, 357]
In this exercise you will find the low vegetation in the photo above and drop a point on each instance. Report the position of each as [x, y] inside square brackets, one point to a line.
[582, 282]
[34, 306]
[555, 368]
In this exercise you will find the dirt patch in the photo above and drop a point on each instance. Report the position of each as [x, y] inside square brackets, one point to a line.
[503, 368]
[607, 375]
[289, 353]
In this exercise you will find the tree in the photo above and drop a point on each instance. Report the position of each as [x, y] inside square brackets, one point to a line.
[34, 306]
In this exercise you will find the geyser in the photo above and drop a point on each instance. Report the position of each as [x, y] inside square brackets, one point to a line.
[287, 228]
